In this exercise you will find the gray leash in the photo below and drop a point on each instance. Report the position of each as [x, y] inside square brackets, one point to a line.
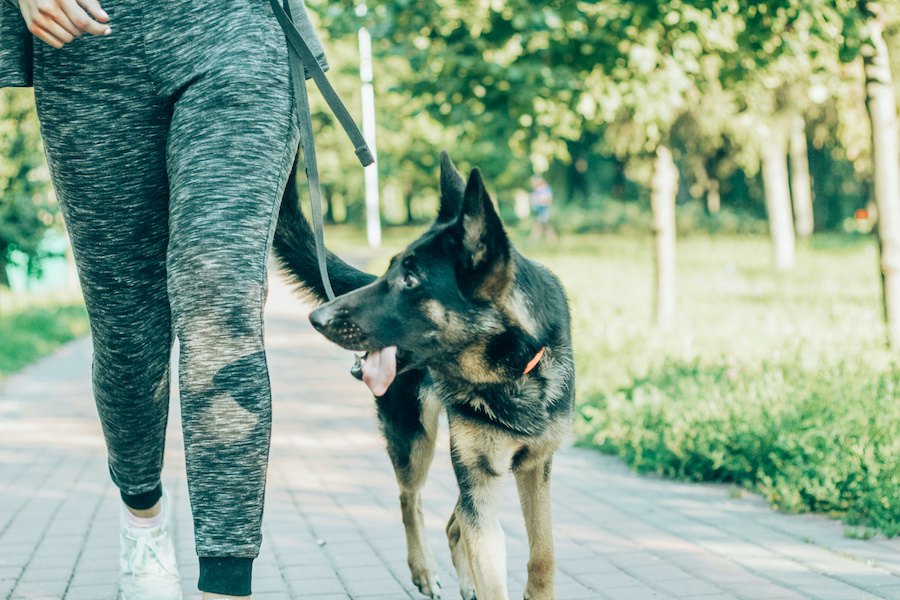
[302, 61]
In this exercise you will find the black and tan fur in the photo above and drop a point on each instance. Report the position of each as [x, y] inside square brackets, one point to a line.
[467, 313]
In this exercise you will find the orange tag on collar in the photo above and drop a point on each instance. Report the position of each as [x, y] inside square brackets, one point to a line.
[534, 361]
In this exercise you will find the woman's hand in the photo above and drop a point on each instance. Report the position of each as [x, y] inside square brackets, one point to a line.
[58, 22]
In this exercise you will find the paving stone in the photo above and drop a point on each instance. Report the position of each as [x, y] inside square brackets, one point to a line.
[636, 592]
[891, 592]
[608, 581]
[686, 588]
[40, 588]
[312, 587]
[386, 585]
[762, 591]
[94, 592]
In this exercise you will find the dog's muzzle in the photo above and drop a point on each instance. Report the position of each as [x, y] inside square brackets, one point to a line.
[336, 325]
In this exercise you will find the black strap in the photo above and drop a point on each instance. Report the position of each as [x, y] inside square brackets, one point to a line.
[308, 145]
[314, 69]
[301, 62]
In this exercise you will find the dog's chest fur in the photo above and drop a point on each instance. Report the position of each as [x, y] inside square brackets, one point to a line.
[527, 406]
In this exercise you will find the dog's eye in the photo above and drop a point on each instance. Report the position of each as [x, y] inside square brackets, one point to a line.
[409, 281]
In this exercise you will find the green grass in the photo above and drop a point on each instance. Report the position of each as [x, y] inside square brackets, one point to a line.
[777, 382]
[732, 307]
[774, 382]
[32, 327]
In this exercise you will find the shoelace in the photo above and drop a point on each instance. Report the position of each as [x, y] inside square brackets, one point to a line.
[146, 544]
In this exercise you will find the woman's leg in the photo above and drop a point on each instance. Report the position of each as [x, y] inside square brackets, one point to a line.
[231, 144]
[104, 131]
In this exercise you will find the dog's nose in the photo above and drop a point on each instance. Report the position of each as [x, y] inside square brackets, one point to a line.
[321, 317]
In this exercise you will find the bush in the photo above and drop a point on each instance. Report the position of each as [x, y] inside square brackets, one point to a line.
[821, 439]
[32, 332]
[614, 216]
[778, 382]
[693, 217]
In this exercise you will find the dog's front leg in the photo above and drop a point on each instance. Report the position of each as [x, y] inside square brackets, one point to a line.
[477, 515]
[484, 542]
[460, 557]
[534, 494]
[411, 455]
[419, 558]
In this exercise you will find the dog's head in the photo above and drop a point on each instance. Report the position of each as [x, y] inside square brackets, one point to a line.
[436, 295]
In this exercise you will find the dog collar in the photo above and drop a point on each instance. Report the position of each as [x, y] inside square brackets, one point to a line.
[534, 361]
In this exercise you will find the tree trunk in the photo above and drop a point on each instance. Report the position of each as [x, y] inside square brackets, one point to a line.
[577, 176]
[619, 180]
[408, 201]
[881, 105]
[328, 193]
[713, 198]
[662, 198]
[709, 184]
[4, 276]
[801, 184]
[778, 199]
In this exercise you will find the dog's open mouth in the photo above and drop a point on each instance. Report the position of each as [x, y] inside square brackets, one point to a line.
[379, 369]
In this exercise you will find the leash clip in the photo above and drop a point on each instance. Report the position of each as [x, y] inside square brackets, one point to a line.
[357, 369]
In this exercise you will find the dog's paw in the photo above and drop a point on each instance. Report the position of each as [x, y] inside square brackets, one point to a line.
[427, 582]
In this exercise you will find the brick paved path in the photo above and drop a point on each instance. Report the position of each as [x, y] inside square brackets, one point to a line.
[332, 522]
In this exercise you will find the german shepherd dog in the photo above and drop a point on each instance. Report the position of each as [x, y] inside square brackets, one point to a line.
[463, 322]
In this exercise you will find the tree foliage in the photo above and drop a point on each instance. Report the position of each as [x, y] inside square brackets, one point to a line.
[522, 84]
[25, 209]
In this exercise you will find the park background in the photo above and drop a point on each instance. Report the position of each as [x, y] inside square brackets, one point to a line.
[725, 178]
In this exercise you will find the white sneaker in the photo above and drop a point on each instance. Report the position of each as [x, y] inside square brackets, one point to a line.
[147, 566]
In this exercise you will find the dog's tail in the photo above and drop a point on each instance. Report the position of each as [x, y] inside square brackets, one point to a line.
[295, 249]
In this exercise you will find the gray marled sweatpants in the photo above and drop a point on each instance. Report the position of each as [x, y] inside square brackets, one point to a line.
[169, 144]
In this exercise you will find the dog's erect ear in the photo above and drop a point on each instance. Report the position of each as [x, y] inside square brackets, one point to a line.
[452, 188]
[485, 247]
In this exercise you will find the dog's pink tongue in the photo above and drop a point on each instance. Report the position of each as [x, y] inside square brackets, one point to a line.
[380, 369]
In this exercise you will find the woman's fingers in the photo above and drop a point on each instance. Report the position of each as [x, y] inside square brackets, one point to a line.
[50, 25]
[95, 9]
[51, 17]
[63, 21]
[58, 22]
[45, 35]
[59, 32]
[77, 18]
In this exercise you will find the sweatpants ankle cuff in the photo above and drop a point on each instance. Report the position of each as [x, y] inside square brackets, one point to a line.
[229, 575]
[144, 500]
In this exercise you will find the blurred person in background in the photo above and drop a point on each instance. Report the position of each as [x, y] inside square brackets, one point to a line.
[541, 205]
